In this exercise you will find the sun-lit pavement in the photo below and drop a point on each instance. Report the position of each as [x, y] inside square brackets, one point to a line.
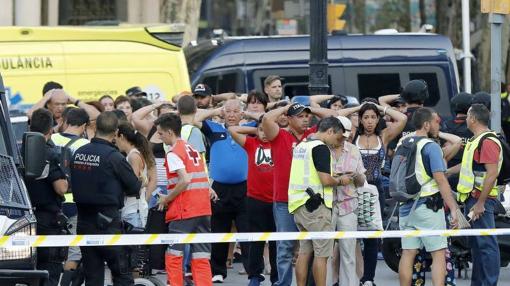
[384, 277]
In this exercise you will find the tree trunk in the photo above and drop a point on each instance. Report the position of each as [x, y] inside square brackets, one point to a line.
[183, 11]
[423, 13]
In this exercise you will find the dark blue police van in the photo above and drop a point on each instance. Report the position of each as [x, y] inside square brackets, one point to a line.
[359, 65]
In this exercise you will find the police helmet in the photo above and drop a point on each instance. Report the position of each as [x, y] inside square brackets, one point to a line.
[415, 91]
[461, 102]
[482, 97]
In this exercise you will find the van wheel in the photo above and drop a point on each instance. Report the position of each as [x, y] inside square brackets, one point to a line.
[150, 281]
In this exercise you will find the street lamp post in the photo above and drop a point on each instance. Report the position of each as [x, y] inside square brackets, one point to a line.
[318, 48]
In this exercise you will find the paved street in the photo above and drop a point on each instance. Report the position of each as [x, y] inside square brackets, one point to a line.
[384, 277]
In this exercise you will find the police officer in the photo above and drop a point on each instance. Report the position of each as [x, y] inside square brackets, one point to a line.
[100, 178]
[414, 93]
[457, 126]
[47, 194]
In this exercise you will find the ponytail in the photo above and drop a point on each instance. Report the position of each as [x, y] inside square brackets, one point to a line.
[139, 141]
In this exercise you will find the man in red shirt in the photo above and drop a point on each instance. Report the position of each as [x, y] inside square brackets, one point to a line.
[189, 206]
[283, 141]
[480, 202]
[259, 201]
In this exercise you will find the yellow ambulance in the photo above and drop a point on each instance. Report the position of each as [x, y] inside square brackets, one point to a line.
[91, 61]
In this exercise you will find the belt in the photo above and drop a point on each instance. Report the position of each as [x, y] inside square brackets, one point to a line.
[476, 194]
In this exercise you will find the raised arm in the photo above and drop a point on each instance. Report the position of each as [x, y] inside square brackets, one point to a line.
[239, 133]
[323, 112]
[223, 97]
[386, 100]
[271, 128]
[91, 110]
[203, 114]
[41, 103]
[348, 111]
[139, 120]
[393, 130]
[316, 100]
[454, 143]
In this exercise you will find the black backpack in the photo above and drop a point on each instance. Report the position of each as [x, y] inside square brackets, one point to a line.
[66, 155]
[403, 183]
[504, 173]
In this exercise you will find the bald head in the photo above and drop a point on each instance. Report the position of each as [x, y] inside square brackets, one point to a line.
[57, 102]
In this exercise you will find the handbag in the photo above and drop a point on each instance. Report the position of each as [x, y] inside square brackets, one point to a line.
[369, 209]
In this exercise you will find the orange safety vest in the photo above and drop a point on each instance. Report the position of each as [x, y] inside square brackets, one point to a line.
[194, 201]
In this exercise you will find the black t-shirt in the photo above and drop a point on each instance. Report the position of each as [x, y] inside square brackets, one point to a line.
[322, 159]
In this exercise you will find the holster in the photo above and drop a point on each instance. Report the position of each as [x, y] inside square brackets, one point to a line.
[314, 201]
[103, 221]
[435, 202]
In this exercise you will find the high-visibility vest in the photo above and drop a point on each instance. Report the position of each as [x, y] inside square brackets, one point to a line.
[194, 201]
[303, 175]
[469, 179]
[429, 186]
[61, 141]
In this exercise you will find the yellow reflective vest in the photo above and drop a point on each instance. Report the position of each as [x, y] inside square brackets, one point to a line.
[429, 186]
[61, 141]
[303, 175]
[470, 179]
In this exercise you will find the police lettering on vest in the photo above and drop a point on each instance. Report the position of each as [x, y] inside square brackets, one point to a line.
[101, 176]
[303, 175]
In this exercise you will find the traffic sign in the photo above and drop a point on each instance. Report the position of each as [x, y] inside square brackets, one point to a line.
[495, 6]
[335, 12]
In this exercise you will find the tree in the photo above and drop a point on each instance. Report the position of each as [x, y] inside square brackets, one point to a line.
[182, 11]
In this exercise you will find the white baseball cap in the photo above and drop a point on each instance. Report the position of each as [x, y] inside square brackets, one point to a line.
[346, 123]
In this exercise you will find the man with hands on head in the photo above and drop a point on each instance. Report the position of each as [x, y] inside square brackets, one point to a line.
[56, 100]
[283, 140]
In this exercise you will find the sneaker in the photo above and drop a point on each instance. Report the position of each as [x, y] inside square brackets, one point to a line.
[256, 280]
[367, 283]
[217, 279]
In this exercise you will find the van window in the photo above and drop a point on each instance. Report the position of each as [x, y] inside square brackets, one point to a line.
[221, 83]
[375, 85]
[433, 86]
[293, 85]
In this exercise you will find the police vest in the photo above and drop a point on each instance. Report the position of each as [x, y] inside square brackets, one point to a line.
[429, 186]
[303, 175]
[61, 141]
[470, 179]
[194, 201]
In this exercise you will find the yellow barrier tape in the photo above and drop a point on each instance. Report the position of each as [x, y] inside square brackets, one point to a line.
[377, 234]
[3, 240]
[339, 234]
[227, 237]
[166, 238]
[302, 235]
[113, 240]
[151, 239]
[190, 237]
[39, 241]
[76, 240]
[265, 236]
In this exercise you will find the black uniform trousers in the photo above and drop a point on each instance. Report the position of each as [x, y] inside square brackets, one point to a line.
[93, 258]
[50, 258]
[261, 220]
[230, 207]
